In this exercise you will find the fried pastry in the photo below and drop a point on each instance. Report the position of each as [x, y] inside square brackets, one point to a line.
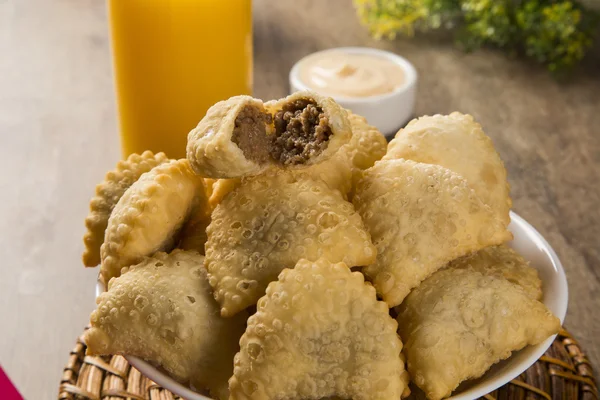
[459, 322]
[108, 193]
[271, 221]
[343, 169]
[502, 261]
[458, 143]
[336, 172]
[308, 128]
[242, 136]
[367, 145]
[221, 188]
[420, 217]
[338, 341]
[231, 140]
[149, 215]
[162, 310]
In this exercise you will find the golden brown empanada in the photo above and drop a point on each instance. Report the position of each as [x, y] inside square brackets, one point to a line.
[242, 137]
[149, 215]
[502, 261]
[271, 221]
[459, 322]
[108, 193]
[420, 217]
[318, 332]
[162, 310]
[458, 143]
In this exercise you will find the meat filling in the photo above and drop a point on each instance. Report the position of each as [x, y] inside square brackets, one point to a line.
[250, 134]
[301, 132]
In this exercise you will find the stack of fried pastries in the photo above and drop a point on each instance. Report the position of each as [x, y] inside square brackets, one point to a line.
[266, 263]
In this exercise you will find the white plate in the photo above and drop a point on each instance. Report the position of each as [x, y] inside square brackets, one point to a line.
[532, 246]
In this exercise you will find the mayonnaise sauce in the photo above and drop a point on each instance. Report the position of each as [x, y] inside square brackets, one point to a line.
[337, 73]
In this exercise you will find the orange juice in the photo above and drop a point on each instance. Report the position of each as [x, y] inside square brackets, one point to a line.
[173, 59]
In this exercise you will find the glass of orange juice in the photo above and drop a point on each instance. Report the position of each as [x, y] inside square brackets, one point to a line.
[173, 59]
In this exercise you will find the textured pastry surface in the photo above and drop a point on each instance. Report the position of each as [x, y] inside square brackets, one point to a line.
[458, 143]
[420, 217]
[502, 261]
[150, 214]
[459, 322]
[271, 221]
[221, 188]
[343, 169]
[162, 310]
[108, 193]
[338, 341]
[367, 145]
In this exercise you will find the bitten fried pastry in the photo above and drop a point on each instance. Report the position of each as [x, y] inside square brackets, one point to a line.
[308, 128]
[459, 322]
[149, 215]
[338, 341]
[162, 310]
[420, 217]
[108, 193]
[242, 136]
[231, 140]
[502, 261]
[458, 143]
[271, 221]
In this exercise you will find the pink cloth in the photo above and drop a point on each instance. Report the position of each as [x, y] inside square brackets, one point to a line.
[8, 391]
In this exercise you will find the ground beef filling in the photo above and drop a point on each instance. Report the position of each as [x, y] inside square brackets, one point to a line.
[301, 132]
[250, 134]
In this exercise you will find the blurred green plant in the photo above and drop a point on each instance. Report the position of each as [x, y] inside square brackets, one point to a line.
[552, 32]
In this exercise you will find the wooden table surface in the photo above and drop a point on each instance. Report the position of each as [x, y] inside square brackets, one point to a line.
[58, 137]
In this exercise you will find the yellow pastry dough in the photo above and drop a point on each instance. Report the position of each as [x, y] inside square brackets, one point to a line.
[162, 310]
[458, 143]
[502, 261]
[271, 221]
[242, 136]
[318, 332]
[149, 215]
[420, 217]
[108, 193]
[459, 322]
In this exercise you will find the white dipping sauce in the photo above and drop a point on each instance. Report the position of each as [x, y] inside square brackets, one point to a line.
[336, 73]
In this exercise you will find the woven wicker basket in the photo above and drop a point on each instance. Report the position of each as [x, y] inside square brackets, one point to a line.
[563, 373]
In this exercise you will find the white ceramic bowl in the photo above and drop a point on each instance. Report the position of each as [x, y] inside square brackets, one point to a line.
[388, 112]
[529, 243]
